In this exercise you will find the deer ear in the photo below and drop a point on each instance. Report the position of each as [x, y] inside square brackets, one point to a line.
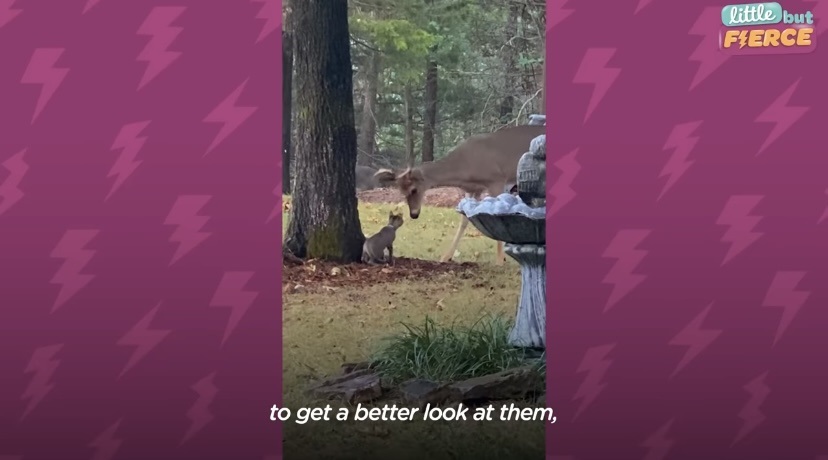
[385, 176]
[416, 175]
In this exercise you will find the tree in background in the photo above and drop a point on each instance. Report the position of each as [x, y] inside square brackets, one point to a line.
[287, 99]
[324, 219]
[484, 56]
[448, 69]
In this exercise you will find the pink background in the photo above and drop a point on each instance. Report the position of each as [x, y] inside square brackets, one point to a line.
[688, 248]
[139, 263]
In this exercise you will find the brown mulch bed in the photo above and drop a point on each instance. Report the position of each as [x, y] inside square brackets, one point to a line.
[314, 275]
[443, 197]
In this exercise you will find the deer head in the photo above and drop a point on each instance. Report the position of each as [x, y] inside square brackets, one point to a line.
[411, 184]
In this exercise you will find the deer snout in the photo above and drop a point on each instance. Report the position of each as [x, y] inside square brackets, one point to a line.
[414, 214]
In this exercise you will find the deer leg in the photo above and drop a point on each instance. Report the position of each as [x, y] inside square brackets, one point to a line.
[460, 230]
[501, 256]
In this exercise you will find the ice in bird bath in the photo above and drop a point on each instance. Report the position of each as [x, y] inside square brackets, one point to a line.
[520, 222]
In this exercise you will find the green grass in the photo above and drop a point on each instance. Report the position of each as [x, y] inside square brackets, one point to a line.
[449, 353]
[322, 330]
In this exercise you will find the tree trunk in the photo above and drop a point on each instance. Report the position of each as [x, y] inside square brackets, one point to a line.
[509, 58]
[287, 100]
[409, 126]
[324, 220]
[430, 119]
[368, 125]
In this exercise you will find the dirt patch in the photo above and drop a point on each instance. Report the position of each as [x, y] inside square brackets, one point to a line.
[441, 197]
[315, 275]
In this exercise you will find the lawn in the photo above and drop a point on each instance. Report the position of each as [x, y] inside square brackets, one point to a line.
[324, 328]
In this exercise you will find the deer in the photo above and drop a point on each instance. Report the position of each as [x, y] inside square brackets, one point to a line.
[365, 178]
[484, 163]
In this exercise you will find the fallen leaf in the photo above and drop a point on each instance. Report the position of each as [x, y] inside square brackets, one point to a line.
[440, 305]
[386, 270]
[336, 271]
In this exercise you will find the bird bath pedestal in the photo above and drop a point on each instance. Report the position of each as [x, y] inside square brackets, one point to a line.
[520, 222]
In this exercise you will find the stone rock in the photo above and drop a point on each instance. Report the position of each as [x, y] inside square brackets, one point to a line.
[537, 119]
[359, 386]
[421, 392]
[510, 384]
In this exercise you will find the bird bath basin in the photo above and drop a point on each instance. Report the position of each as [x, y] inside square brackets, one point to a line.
[522, 226]
[506, 218]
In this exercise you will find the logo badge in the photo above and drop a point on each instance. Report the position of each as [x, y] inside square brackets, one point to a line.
[766, 28]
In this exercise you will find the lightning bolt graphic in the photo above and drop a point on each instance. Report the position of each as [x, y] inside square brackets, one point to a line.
[681, 141]
[593, 70]
[561, 189]
[658, 443]
[42, 71]
[42, 366]
[736, 215]
[158, 26]
[106, 445]
[751, 413]
[129, 141]
[7, 13]
[557, 13]
[707, 54]
[89, 5]
[621, 276]
[820, 10]
[743, 39]
[695, 338]
[10, 192]
[271, 13]
[230, 115]
[200, 414]
[595, 365]
[641, 5]
[72, 248]
[230, 293]
[782, 115]
[782, 293]
[143, 338]
[184, 214]
[823, 217]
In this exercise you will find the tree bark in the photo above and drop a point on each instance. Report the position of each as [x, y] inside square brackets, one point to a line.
[409, 126]
[287, 101]
[509, 58]
[368, 125]
[324, 220]
[430, 118]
